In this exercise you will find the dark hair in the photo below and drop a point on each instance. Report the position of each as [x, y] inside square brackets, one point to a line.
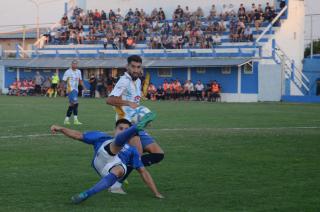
[123, 121]
[135, 58]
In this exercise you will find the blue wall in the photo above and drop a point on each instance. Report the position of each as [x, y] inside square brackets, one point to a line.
[11, 74]
[228, 82]
[177, 73]
[311, 68]
[249, 82]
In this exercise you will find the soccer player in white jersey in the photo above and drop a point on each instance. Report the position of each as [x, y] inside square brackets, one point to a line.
[112, 155]
[72, 78]
[124, 97]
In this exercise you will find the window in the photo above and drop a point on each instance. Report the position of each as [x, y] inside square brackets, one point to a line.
[247, 68]
[165, 72]
[201, 70]
[226, 70]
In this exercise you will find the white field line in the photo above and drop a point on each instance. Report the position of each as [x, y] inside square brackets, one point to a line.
[177, 129]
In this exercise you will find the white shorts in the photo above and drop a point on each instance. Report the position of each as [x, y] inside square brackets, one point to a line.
[104, 162]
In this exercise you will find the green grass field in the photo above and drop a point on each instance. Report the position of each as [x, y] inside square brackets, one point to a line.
[219, 157]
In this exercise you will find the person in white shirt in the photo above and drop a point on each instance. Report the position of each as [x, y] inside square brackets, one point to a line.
[125, 97]
[72, 77]
[199, 90]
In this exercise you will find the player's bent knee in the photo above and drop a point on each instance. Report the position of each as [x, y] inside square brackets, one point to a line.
[118, 171]
[154, 148]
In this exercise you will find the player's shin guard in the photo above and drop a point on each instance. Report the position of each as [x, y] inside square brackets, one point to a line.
[75, 109]
[69, 112]
[152, 158]
[104, 183]
[122, 138]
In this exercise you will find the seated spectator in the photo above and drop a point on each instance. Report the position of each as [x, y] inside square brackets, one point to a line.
[222, 26]
[216, 39]
[212, 13]
[130, 44]
[80, 37]
[105, 42]
[151, 92]
[199, 89]
[64, 20]
[247, 35]
[177, 90]
[46, 85]
[166, 88]
[24, 87]
[178, 13]
[160, 95]
[188, 90]
[257, 19]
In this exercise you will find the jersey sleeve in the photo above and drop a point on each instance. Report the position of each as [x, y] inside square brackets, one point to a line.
[120, 87]
[136, 159]
[65, 76]
[95, 136]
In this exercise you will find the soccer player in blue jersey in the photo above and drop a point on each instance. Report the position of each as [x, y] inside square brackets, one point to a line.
[73, 77]
[112, 155]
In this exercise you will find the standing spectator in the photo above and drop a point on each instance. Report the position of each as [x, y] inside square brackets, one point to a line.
[38, 79]
[54, 84]
[110, 82]
[93, 86]
[151, 92]
[199, 91]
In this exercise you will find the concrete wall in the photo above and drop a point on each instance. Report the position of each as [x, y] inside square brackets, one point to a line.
[270, 83]
[290, 36]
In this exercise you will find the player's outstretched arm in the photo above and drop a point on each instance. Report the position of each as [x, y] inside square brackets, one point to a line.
[67, 132]
[118, 102]
[145, 175]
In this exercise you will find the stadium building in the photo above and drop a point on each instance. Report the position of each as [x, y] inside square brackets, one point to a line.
[268, 67]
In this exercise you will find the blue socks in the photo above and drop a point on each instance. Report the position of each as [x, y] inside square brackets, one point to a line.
[104, 183]
[122, 138]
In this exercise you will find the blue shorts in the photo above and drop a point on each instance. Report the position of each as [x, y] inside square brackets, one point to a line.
[73, 97]
[145, 139]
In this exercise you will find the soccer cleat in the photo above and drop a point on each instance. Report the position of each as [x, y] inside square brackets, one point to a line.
[77, 122]
[78, 198]
[117, 191]
[149, 117]
[66, 122]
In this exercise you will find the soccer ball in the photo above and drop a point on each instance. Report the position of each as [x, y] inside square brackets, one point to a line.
[138, 113]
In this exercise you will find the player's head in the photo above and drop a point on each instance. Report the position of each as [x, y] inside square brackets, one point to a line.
[74, 65]
[134, 66]
[121, 125]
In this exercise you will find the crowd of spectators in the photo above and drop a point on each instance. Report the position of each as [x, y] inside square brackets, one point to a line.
[101, 86]
[187, 29]
[174, 90]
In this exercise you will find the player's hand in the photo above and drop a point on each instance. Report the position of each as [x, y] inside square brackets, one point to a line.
[159, 196]
[55, 129]
[133, 105]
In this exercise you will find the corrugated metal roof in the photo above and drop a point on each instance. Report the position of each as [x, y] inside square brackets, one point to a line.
[121, 62]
